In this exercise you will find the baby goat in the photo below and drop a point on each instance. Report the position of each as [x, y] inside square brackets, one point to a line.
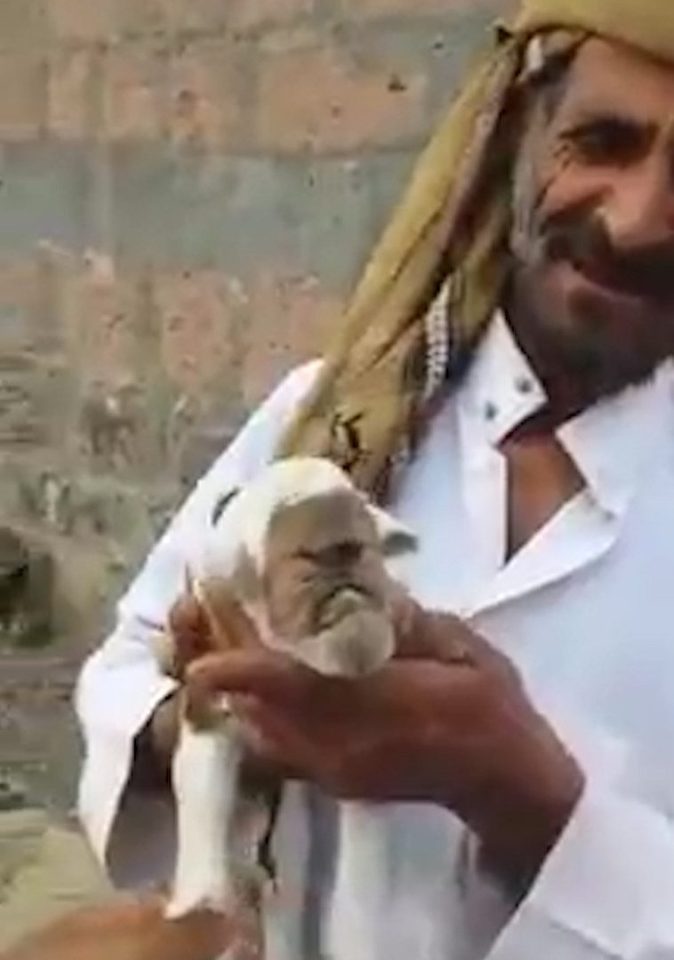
[304, 553]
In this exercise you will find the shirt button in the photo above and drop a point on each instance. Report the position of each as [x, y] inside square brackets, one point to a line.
[490, 411]
[524, 386]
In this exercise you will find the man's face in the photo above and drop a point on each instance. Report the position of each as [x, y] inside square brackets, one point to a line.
[594, 243]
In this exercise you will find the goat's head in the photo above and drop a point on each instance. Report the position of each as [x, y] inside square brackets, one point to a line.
[305, 553]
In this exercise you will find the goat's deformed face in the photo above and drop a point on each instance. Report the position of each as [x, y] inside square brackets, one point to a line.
[302, 553]
[325, 589]
[305, 553]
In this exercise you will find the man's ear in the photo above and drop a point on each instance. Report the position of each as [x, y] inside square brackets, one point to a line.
[394, 537]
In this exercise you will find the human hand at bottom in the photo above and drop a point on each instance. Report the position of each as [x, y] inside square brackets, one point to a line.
[446, 722]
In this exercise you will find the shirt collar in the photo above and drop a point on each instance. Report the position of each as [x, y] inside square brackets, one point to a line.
[501, 389]
[610, 443]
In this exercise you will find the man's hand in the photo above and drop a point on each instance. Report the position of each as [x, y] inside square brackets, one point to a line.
[447, 722]
[191, 637]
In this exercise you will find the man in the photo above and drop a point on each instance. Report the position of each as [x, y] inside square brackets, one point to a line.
[504, 382]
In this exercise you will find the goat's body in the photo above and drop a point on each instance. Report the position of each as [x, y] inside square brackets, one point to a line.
[353, 635]
[206, 782]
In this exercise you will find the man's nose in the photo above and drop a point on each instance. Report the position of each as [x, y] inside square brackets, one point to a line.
[640, 209]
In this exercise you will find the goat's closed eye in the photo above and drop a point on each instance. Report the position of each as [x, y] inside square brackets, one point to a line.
[308, 556]
[342, 554]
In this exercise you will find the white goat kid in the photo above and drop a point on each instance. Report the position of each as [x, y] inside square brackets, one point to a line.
[304, 553]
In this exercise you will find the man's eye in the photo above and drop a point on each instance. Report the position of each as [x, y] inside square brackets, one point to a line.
[605, 142]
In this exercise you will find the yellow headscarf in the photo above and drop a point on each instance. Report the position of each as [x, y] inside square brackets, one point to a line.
[450, 233]
[646, 24]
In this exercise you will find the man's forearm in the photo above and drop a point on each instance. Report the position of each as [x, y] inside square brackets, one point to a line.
[517, 829]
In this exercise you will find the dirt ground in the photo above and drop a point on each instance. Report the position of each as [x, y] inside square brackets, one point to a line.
[46, 868]
[46, 871]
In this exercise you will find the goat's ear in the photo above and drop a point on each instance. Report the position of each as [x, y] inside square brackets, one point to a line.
[245, 579]
[394, 537]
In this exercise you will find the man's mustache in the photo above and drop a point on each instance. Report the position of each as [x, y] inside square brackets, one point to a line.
[646, 272]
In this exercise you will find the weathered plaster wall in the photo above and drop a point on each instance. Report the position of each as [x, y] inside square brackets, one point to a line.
[187, 190]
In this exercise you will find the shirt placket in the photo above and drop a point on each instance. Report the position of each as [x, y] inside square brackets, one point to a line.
[484, 490]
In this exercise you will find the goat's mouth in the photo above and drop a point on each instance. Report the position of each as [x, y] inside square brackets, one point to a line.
[354, 643]
[342, 601]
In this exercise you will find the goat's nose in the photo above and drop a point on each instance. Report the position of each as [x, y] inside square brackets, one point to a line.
[342, 554]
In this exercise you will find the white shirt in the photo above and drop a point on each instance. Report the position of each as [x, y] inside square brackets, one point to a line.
[586, 612]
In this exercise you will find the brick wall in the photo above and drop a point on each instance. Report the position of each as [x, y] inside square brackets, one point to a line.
[187, 190]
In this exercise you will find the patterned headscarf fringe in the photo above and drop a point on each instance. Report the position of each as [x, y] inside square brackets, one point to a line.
[434, 280]
[376, 380]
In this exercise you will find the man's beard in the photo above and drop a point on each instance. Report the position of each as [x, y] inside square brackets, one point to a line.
[582, 340]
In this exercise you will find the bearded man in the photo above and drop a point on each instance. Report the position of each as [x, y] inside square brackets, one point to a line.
[503, 382]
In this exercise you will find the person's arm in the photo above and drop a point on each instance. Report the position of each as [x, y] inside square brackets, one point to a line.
[606, 891]
[124, 704]
[575, 825]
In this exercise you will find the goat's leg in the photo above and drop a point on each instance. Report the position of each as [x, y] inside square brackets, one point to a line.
[206, 769]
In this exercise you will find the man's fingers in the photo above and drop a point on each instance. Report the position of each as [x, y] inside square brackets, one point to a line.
[190, 631]
[208, 619]
[186, 616]
[268, 739]
[424, 635]
[443, 637]
[271, 677]
[229, 622]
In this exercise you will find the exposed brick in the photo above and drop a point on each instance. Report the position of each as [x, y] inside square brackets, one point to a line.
[318, 100]
[246, 14]
[90, 574]
[361, 9]
[134, 77]
[69, 91]
[198, 448]
[106, 20]
[113, 419]
[21, 420]
[17, 304]
[43, 195]
[100, 315]
[134, 372]
[286, 39]
[196, 15]
[22, 24]
[118, 429]
[203, 104]
[290, 318]
[30, 393]
[195, 318]
[82, 19]
[90, 508]
[145, 17]
[22, 95]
